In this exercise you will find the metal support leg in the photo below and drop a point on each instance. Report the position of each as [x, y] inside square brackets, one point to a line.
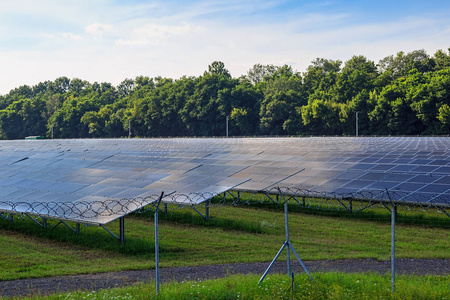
[122, 230]
[33, 219]
[289, 246]
[301, 262]
[165, 209]
[44, 222]
[207, 210]
[272, 263]
[78, 229]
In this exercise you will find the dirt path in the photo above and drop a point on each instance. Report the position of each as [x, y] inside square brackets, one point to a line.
[115, 279]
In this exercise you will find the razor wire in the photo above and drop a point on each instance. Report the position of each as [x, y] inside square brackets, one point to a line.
[356, 202]
[80, 210]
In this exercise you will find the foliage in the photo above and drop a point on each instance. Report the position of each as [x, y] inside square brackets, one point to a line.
[405, 94]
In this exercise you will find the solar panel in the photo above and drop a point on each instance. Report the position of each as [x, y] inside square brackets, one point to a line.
[100, 170]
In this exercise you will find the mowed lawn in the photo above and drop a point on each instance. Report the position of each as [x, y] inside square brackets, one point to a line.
[234, 234]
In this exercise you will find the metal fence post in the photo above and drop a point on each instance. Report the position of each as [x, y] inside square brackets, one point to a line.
[393, 213]
[288, 249]
[157, 244]
[156, 252]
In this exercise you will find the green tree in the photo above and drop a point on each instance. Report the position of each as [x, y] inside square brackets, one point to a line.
[358, 74]
[218, 68]
[22, 118]
[200, 113]
[283, 93]
[402, 63]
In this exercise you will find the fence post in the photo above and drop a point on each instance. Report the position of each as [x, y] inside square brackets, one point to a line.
[393, 213]
[156, 252]
[288, 250]
[157, 244]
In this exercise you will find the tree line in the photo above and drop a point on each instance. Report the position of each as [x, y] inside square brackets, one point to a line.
[404, 94]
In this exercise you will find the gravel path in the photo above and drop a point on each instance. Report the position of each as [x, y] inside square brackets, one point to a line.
[115, 279]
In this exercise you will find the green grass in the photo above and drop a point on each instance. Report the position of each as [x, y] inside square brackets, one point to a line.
[326, 286]
[234, 234]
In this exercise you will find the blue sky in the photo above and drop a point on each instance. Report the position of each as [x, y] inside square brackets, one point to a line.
[108, 41]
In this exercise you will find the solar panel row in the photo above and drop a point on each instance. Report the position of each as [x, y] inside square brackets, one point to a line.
[85, 172]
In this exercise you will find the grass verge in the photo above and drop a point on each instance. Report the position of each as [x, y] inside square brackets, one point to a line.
[326, 286]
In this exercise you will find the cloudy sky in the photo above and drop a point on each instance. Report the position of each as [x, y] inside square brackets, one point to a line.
[110, 40]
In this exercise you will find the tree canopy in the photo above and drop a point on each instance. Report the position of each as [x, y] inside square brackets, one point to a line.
[402, 94]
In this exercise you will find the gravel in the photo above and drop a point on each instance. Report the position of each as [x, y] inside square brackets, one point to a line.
[59, 284]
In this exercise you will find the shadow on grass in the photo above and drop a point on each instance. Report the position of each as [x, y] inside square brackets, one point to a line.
[404, 216]
[191, 218]
[92, 237]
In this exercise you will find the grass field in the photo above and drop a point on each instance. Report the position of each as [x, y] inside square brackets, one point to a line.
[234, 234]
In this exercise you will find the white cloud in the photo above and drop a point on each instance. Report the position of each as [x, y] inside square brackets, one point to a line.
[98, 29]
[72, 36]
[46, 35]
[156, 33]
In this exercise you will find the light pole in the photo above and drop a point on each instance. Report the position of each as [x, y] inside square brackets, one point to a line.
[357, 123]
[129, 128]
[227, 125]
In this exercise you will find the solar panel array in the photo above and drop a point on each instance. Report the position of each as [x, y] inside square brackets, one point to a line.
[79, 178]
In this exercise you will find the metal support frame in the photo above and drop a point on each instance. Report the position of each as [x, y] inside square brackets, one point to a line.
[34, 220]
[121, 237]
[445, 212]
[76, 230]
[268, 196]
[230, 192]
[206, 215]
[109, 231]
[7, 217]
[122, 230]
[287, 243]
